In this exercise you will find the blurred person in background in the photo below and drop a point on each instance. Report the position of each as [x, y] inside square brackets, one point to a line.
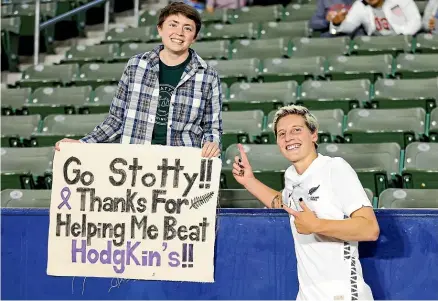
[211, 5]
[430, 16]
[326, 10]
[199, 5]
[379, 18]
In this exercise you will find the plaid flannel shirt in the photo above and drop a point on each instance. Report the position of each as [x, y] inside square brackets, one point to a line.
[195, 111]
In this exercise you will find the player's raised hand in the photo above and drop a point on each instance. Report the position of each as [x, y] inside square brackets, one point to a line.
[305, 221]
[242, 170]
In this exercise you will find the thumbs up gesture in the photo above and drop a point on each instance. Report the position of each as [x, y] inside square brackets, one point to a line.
[306, 221]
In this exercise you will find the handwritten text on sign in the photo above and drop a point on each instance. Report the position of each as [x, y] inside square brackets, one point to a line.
[134, 212]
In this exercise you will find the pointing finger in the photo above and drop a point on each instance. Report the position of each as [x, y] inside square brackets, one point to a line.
[304, 206]
[243, 154]
[290, 211]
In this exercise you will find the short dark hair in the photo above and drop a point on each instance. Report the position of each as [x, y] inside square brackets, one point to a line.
[186, 10]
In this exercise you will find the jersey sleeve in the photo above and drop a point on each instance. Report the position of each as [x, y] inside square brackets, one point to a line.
[346, 187]
[284, 197]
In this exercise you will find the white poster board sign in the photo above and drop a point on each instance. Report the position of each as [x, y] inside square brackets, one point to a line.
[133, 212]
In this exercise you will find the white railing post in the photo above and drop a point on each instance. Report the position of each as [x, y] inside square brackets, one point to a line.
[36, 44]
[107, 13]
[136, 11]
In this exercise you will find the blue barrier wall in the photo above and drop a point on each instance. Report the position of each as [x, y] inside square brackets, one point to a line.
[254, 260]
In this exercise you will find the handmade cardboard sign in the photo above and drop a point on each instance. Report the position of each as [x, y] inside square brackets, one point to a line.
[133, 212]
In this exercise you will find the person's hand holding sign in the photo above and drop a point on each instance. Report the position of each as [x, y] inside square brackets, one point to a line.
[210, 150]
[65, 140]
[306, 221]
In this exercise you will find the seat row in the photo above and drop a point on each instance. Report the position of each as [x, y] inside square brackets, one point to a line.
[265, 96]
[292, 12]
[379, 165]
[403, 126]
[251, 70]
[296, 11]
[262, 48]
[294, 33]
[239, 198]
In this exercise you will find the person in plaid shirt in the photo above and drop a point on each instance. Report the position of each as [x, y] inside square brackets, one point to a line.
[167, 96]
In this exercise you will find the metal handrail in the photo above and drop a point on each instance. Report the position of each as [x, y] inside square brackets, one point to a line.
[75, 11]
[71, 13]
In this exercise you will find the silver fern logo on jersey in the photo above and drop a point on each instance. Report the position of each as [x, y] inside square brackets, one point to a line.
[311, 192]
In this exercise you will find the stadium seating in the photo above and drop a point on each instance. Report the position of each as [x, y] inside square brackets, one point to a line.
[375, 98]
[396, 198]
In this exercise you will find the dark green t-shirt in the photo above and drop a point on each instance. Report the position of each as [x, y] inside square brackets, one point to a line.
[169, 78]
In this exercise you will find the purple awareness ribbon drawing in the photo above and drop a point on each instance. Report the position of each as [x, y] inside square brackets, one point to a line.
[65, 198]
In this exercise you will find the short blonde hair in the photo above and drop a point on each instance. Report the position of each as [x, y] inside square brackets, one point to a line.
[309, 118]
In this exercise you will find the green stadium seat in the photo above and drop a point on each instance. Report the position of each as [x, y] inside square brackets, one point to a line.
[426, 43]
[401, 126]
[16, 128]
[14, 99]
[213, 50]
[131, 35]
[95, 74]
[345, 95]
[330, 126]
[370, 195]
[260, 96]
[370, 67]
[148, 18]
[57, 127]
[10, 33]
[7, 10]
[64, 100]
[305, 47]
[297, 69]
[28, 9]
[25, 167]
[231, 71]
[26, 198]
[396, 198]
[417, 65]
[100, 102]
[26, 13]
[267, 162]
[421, 166]
[238, 198]
[299, 12]
[366, 45]
[48, 75]
[82, 54]
[131, 49]
[433, 126]
[241, 127]
[273, 30]
[218, 16]
[255, 14]
[376, 164]
[261, 49]
[230, 31]
[405, 93]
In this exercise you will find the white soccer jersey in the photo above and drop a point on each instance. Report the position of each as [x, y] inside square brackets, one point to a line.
[328, 269]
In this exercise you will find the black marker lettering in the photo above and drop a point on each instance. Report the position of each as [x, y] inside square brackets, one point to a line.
[117, 171]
